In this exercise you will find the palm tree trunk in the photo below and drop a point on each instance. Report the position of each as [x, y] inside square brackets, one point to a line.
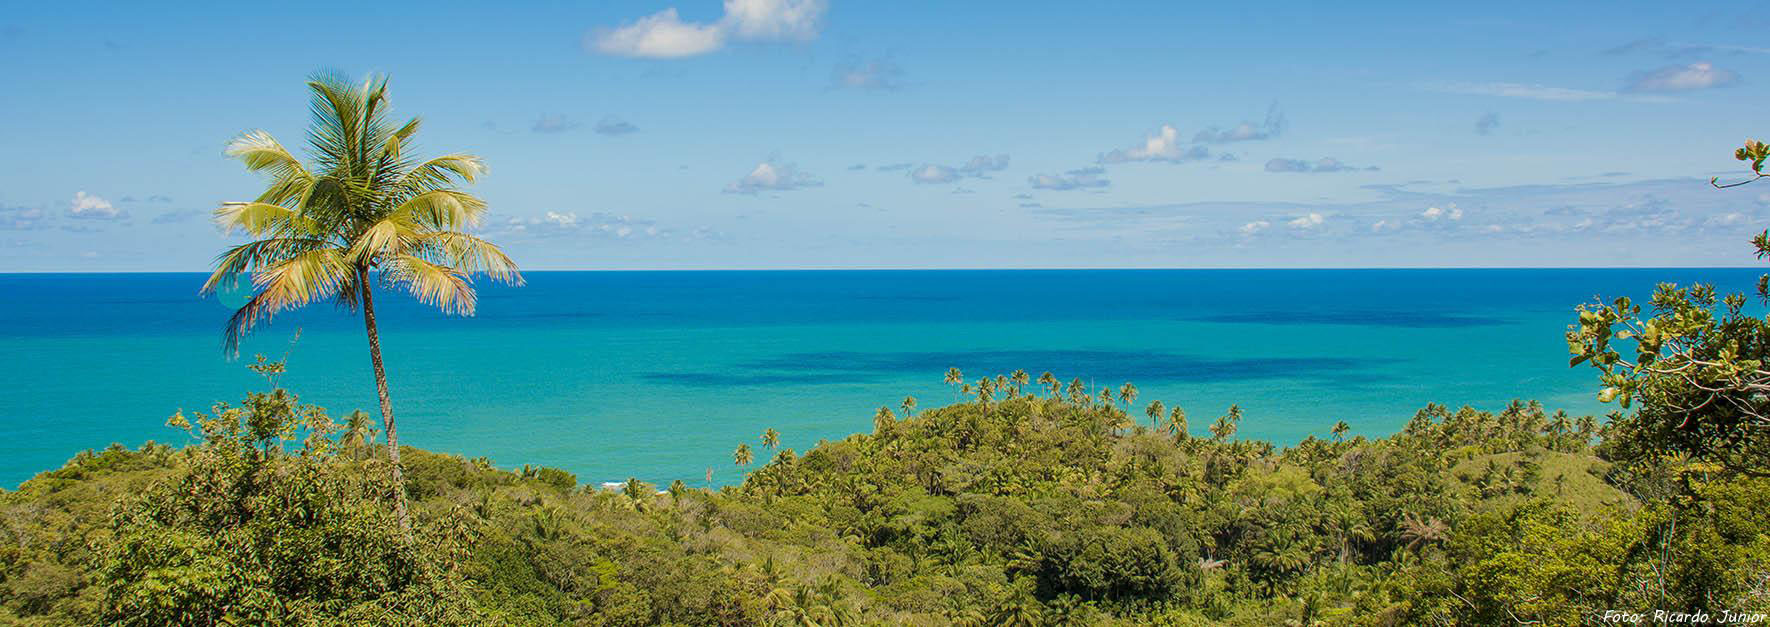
[399, 478]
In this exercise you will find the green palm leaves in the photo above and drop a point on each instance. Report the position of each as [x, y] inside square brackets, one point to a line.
[363, 205]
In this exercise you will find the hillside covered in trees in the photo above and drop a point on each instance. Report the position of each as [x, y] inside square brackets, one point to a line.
[1026, 506]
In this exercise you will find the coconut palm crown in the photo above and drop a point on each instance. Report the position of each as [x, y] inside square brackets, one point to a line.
[361, 211]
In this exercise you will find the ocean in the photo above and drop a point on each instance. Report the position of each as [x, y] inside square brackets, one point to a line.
[660, 375]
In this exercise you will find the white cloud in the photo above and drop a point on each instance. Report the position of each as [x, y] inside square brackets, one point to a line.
[1681, 78]
[772, 176]
[21, 219]
[1254, 227]
[663, 35]
[1308, 221]
[979, 166]
[1433, 214]
[1085, 178]
[774, 19]
[931, 173]
[597, 224]
[1384, 225]
[1164, 145]
[553, 124]
[89, 207]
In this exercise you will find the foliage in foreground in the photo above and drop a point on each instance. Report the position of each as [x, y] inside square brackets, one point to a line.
[1026, 510]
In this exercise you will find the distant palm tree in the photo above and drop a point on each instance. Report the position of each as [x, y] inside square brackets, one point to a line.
[1155, 412]
[1020, 379]
[954, 378]
[1078, 393]
[909, 406]
[1106, 396]
[1226, 426]
[1340, 429]
[1128, 394]
[986, 390]
[363, 210]
[771, 438]
[1417, 532]
[1050, 381]
[1177, 422]
[743, 456]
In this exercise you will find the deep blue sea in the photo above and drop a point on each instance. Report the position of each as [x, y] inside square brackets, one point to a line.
[659, 375]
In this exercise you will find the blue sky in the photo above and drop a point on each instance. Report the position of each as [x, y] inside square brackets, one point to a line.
[840, 134]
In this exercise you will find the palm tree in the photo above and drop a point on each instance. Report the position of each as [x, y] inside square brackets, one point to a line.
[1340, 429]
[771, 438]
[1155, 411]
[1417, 532]
[1020, 380]
[954, 377]
[363, 209]
[1128, 394]
[1226, 426]
[1050, 381]
[743, 456]
[909, 406]
[1078, 393]
[1177, 422]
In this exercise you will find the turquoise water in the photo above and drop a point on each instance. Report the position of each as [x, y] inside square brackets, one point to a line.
[659, 375]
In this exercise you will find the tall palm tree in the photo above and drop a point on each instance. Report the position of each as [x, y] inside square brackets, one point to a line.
[909, 406]
[1128, 394]
[1155, 411]
[1050, 381]
[743, 456]
[771, 438]
[361, 209]
[1226, 426]
[1340, 429]
[954, 378]
[1177, 422]
[1020, 380]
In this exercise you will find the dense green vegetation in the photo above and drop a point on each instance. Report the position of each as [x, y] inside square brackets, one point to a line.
[1051, 505]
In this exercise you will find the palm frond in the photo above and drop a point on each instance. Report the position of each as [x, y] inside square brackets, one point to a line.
[440, 173]
[289, 283]
[433, 284]
[443, 209]
[471, 254]
[258, 254]
[390, 237]
[262, 152]
[259, 218]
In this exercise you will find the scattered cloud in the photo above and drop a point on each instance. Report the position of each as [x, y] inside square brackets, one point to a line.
[611, 125]
[1306, 221]
[1680, 78]
[876, 74]
[21, 219]
[551, 124]
[663, 35]
[597, 224]
[893, 167]
[1486, 124]
[1271, 127]
[1434, 214]
[930, 173]
[857, 167]
[979, 166]
[1324, 164]
[984, 164]
[1164, 145]
[1253, 228]
[1084, 178]
[772, 176]
[86, 206]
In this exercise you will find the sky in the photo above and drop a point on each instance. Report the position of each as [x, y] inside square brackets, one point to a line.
[763, 134]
